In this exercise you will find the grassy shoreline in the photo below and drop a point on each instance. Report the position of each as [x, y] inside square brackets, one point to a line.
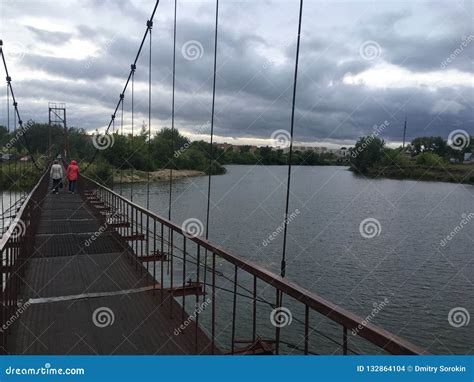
[452, 173]
[160, 175]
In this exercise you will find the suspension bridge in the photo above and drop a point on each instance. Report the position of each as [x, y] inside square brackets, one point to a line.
[96, 273]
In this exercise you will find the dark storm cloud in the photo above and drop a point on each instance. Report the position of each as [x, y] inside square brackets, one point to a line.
[256, 68]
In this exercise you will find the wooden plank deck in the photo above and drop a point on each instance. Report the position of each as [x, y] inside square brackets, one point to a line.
[67, 284]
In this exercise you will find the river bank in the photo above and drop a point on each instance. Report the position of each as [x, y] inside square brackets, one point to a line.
[452, 173]
[126, 176]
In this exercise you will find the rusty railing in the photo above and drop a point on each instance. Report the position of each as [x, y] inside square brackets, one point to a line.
[183, 265]
[16, 245]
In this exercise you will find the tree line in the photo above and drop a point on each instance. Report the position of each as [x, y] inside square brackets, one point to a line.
[370, 154]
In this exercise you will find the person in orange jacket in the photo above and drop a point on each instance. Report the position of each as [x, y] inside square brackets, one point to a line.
[72, 173]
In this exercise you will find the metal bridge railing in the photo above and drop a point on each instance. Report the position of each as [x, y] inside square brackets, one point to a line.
[16, 245]
[186, 268]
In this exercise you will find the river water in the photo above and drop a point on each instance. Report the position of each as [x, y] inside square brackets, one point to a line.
[403, 266]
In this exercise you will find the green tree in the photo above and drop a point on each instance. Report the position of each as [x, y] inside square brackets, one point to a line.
[367, 152]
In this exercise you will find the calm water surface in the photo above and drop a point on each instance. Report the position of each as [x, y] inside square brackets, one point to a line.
[406, 264]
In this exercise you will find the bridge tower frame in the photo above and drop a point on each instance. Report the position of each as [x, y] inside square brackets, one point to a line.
[57, 116]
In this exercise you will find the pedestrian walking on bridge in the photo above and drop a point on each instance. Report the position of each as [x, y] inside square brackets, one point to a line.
[56, 174]
[72, 175]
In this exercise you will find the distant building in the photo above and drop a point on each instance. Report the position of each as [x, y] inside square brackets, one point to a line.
[224, 146]
[314, 149]
[468, 157]
[237, 148]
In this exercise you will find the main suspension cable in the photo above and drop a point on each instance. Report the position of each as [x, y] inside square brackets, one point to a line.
[15, 105]
[129, 75]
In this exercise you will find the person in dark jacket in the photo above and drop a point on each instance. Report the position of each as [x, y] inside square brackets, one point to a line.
[72, 174]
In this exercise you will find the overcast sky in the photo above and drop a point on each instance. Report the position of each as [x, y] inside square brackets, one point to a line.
[361, 64]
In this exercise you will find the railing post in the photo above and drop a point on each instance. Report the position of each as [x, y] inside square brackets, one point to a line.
[213, 318]
[306, 330]
[254, 316]
[234, 310]
[184, 278]
[277, 327]
[198, 271]
[344, 340]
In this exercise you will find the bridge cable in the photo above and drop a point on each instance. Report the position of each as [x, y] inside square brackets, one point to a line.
[150, 25]
[122, 96]
[211, 140]
[288, 184]
[132, 67]
[172, 109]
[16, 111]
[129, 76]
